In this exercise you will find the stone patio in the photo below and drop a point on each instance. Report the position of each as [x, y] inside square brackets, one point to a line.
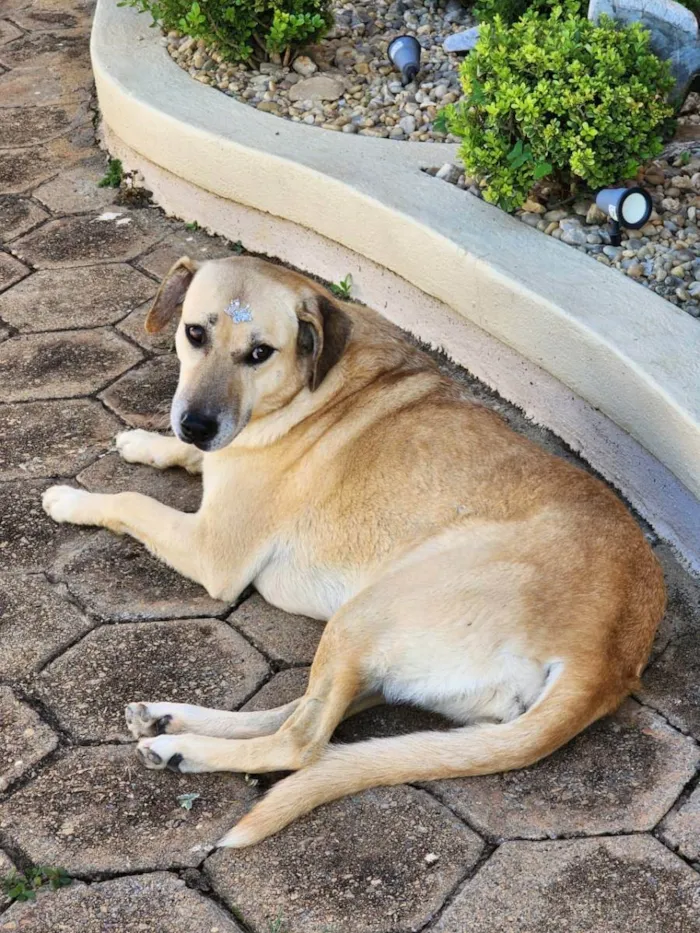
[604, 837]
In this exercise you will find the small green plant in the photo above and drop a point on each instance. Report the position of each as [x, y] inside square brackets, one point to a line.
[113, 176]
[277, 925]
[510, 11]
[24, 886]
[562, 98]
[343, 288]
[193, 225]
[243, 29]
[684, 157]
[238, 248]
[186, 800]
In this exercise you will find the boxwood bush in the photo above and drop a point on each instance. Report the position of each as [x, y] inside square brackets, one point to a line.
[243, 29]
[559, 97]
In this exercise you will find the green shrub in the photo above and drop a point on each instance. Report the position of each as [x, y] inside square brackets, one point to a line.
[559, 97]
[243, 29]
[486, 11]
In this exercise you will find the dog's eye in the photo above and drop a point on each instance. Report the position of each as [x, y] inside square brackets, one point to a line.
[259, 354]
[195, 334]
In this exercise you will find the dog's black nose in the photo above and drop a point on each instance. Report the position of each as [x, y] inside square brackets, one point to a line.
[196, 428]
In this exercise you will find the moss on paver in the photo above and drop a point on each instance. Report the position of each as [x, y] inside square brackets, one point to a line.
[88, 619]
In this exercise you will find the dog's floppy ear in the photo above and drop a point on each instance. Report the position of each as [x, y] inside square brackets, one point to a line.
[170, 295]
[324, 331]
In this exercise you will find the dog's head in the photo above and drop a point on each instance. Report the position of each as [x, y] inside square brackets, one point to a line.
[252, 335]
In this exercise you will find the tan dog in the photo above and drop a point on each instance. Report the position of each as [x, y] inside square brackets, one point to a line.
[461, 568]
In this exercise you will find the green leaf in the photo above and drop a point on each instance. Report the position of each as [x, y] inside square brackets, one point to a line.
[542, 169]
[186, 800]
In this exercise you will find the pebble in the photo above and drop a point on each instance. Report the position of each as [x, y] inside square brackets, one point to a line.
[354, 54]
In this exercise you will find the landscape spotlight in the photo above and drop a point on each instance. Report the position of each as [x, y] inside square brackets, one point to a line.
[404, 54]
[626, 207]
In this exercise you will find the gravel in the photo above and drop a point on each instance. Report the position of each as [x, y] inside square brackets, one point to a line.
[664, 255]
[361, 91]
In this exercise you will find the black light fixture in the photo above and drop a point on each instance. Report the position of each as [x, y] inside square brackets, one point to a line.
[404, 54]
[626, 207]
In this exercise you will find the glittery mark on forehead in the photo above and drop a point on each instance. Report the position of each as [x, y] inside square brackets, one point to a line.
[239, 313]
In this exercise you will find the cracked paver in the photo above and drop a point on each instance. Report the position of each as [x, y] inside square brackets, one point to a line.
[118, 579]
[24, 738]
[157, 901]
[62, 299]
[96, 810]
[200, 661]
[90, 621]
[365, 864]
[610, 885]
[63, 364]
[37, 621]
[53, 438]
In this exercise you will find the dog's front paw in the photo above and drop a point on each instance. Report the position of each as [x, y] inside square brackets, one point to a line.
[141, 447]
[66, 504]
[176, 752]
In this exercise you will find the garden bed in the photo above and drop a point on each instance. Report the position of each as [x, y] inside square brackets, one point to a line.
[346, 82]
[610, 367]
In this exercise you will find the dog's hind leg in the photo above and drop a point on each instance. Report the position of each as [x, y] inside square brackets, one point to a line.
[335, 682]
[158, 451]
[149, 719]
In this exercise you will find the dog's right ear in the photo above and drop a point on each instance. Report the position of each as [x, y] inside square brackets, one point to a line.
[170, 295]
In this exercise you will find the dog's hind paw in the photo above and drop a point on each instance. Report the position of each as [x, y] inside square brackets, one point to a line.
[170, 751]
[149, 719]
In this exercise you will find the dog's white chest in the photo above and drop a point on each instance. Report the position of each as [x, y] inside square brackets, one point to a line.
[294, 585]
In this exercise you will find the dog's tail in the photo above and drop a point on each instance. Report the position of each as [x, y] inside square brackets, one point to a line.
[564, 710]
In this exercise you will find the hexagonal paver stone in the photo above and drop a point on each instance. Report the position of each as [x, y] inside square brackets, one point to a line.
[52, 438]
[37, 620]
[176, 488]
[77, 190]
[133, 327]
[27, 126]
[281, 689]
[157, 901]
[627, 884]
[115, 234]
[282, 637]
[620, 775]
[29, 539]
[24, 738]
[17, 215]
[199, 661]
[143, 396]
[681, 828]
[118, 579]
[8, 32]
[59, 299]
[11, 271]
[383, 860]
[61, 365]
[46, 50]
[22, 169]
[97, 809]
[195, 243]
[27, 86]
[50, 15]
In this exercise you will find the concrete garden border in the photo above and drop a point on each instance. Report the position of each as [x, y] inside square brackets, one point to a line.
[612, 368]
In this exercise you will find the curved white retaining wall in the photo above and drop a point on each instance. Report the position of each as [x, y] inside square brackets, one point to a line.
[608, 365]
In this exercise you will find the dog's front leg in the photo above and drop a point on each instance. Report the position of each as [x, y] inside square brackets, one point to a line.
[172, 536]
